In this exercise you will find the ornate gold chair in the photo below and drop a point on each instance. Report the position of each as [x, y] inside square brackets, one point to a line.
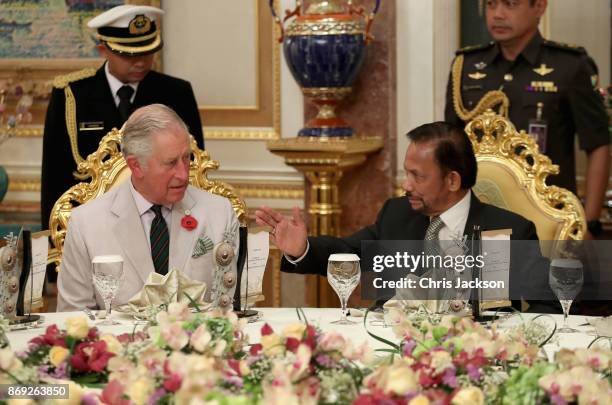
[512, 175]
[106, 168]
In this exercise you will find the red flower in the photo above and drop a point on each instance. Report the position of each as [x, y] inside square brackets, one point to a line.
[292, 344]
[173, 383]
[113, 394]
[266, 330]
[52, 337]
[90, 356]
[188, 222]
[255, 349]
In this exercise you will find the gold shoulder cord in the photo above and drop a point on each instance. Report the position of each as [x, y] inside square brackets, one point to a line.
[489, 100]
[63, 82]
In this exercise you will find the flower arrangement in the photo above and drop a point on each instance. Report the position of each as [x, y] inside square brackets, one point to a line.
[78, 353]
[186, 357]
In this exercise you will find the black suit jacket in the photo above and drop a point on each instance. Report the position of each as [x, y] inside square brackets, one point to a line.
[398, 221]
[96, 107]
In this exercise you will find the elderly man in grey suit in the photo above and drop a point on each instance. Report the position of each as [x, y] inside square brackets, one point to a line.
[145, 219]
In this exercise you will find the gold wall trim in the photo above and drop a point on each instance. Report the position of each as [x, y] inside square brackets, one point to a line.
[294, 192]
[238, 134]
[29, 132]
[274, 191]
[21, 185]
[233, 122]
[256, 44]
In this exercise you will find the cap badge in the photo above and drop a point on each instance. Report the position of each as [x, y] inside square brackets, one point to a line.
[140, 24]
[543, 70]
[477, 75]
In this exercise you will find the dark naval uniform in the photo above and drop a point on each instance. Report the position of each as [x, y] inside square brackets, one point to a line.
[559, 76]
[96, 115]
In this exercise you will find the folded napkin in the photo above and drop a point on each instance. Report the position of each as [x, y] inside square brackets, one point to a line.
[163, 289]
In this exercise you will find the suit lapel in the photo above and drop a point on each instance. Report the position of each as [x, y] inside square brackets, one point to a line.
[102, 98]
[475, 216]
[181, 239]
[145, 94]
[130, 233]
[418, 227]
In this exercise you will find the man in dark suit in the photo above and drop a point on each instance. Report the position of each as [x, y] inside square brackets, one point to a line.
[86, 105]
[440, 170]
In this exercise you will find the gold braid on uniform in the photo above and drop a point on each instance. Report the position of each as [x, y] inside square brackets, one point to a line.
[489, 100]
[63, 82]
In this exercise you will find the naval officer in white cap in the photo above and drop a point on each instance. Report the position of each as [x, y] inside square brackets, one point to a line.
[87, 104]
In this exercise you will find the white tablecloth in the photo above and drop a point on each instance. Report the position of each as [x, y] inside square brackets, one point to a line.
[278, 318]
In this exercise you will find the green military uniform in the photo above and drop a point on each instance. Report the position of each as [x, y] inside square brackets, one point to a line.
[560, 76]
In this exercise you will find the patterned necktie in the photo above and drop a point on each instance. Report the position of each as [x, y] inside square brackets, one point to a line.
[125, 104]
[432, 238]
[159, 241]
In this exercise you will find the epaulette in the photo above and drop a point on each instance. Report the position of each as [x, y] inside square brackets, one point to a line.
[563, 46]
[62, 81]
[474, 48]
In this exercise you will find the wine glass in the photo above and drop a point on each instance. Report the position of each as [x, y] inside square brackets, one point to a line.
[107, 274]
[565, 279]
[343, 274]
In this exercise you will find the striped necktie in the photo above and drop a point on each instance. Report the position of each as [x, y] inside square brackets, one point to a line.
[432, 239]
[159, 241]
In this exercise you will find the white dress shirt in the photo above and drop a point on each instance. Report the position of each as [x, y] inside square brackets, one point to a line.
[115, 84]
[146, 213]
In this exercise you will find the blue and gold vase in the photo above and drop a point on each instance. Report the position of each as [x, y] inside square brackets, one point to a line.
[325, 48]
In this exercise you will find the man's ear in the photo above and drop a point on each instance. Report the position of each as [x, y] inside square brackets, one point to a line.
[135, 166]
[541, 6]
[102, 50]
[453, 180]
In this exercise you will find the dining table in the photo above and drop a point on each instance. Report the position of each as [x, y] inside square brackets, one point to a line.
[323, 318]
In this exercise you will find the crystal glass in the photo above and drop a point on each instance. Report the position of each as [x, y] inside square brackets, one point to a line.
[343, 274]
[565, 279]
[107, 275]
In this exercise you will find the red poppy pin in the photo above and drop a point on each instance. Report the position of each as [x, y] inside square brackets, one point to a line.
[188, 222]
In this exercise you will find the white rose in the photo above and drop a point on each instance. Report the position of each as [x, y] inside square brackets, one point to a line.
[295, 330]
[468, 396]
[77, 327]
[400, 380]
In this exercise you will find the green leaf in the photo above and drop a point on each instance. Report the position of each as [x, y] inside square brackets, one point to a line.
[380, 339]
[439, 332]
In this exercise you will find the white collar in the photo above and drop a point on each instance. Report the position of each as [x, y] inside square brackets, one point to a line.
[142, 204]
[115, 84]
[456, 216]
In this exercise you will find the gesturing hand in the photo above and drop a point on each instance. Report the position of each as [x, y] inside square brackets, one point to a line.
[289, 234]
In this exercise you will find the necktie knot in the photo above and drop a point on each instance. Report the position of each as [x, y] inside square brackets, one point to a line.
[434, 227]
[157, 209]
[125, 93]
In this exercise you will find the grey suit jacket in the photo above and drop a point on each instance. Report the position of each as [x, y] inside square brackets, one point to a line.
[110, 225]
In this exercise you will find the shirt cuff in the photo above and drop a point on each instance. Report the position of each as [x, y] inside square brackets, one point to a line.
[295, 261]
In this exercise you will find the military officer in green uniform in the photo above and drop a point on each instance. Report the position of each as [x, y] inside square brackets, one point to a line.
[547, 89]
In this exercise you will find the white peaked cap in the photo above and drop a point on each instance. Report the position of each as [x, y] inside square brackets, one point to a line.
[121, 16]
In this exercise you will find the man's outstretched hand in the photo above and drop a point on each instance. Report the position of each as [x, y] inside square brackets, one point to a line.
[289, 234]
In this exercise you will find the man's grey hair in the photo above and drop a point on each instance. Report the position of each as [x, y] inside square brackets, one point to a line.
[142, 124]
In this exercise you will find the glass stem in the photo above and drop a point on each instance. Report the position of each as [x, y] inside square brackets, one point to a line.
[566, 310]
[343, 302]
[108, 308]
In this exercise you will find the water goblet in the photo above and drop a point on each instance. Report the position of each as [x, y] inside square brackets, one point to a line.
[343, 274]
[107, 274]
[565, 279]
